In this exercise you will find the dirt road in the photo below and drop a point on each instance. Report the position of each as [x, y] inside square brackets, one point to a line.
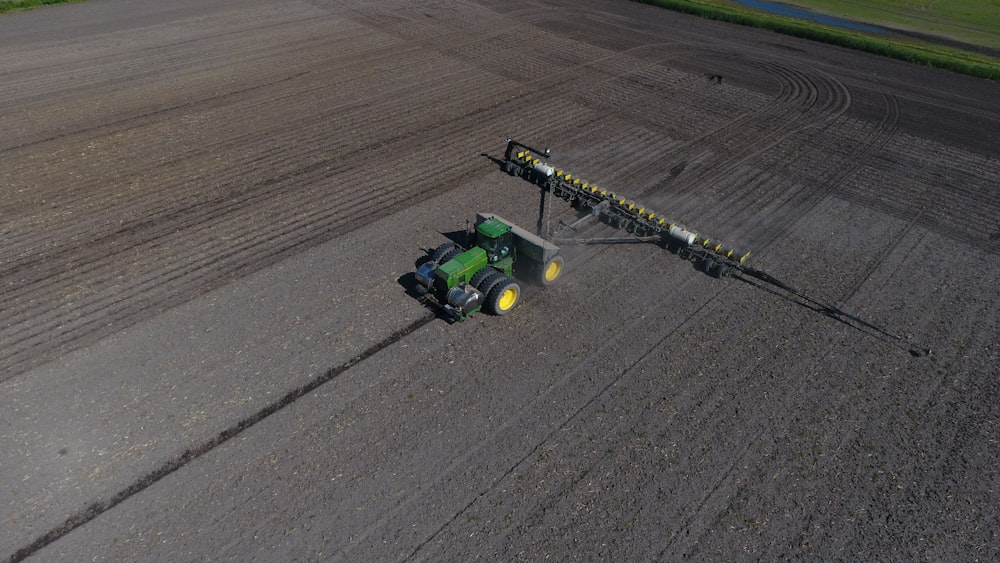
[209, 211]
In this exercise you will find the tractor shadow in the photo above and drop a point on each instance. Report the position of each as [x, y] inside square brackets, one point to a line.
[412, 288]
[463, 238]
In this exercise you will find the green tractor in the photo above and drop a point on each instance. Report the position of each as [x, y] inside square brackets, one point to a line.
[465, 281]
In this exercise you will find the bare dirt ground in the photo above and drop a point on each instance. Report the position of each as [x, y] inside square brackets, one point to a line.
[209, 211]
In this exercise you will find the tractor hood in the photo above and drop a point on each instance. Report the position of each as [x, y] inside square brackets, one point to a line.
[457, 269]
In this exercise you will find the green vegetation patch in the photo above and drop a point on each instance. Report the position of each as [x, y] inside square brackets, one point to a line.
[19, 5]
[970, 21]
[910, 50]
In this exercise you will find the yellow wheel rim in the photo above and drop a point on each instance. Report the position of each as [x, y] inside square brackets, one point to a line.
[552, 270]
[507, 299]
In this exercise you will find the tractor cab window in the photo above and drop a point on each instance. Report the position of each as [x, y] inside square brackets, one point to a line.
[495, 247]
[494, 237]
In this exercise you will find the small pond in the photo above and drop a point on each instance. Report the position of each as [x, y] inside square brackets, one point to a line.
[801, 13]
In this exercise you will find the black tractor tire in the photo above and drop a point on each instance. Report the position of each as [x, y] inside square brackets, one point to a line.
[550, 272]
[503, 297]
[451, 254]
[481, 275]
[440, 251]
[707, 265]
[491, 281]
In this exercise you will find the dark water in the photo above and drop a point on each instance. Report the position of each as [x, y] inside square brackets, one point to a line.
[801, 13]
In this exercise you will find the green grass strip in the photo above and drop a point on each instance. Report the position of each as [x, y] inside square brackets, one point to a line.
[21, 5]
[973, 21]
[948, 58]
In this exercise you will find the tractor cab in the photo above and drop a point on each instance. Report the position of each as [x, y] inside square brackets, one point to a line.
[493, 236]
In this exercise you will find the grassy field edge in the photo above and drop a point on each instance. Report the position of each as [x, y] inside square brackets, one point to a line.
[936, 56]
[21, 5]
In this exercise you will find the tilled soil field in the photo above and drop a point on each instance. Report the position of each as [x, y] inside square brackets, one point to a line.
[208, 350]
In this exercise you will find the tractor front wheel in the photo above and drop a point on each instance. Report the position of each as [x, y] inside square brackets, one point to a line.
[503, 297]
[479, 277]
[493, 280]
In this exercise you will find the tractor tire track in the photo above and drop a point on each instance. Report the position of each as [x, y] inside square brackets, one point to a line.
[97, 508]
[749, 136]
[833, 176]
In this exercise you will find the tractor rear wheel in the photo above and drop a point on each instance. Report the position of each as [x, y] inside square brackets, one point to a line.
[551, 270]
[504, 297]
